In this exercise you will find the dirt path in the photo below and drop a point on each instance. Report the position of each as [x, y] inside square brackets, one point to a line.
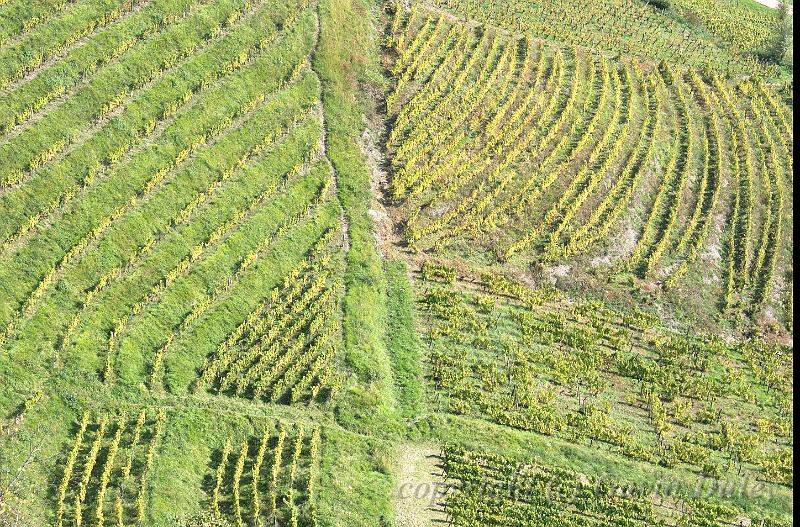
[386, 231]
[420, 487]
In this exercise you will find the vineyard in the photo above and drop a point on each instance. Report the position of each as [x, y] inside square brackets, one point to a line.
[745, 30]
[284, 348]
[175, 247]
[641, 29]
[123, 459]
[655, 167]
[378, 263]
[185, 198]
[490, 489]
[282, 467]
[592, 374]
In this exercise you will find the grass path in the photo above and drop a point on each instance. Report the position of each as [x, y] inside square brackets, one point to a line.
[419, 488]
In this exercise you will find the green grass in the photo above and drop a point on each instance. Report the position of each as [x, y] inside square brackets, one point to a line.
[402, 340]
[345, 59]
[356, 482]
[168, 165]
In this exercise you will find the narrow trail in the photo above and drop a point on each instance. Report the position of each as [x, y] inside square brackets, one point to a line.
[387, 233]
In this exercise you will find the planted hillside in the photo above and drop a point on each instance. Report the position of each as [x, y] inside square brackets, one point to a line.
[378, 263]
[509, 148]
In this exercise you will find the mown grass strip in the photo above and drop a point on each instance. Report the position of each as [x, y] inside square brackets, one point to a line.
[346, 43]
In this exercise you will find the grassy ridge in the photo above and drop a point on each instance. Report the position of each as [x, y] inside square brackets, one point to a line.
[344, 59]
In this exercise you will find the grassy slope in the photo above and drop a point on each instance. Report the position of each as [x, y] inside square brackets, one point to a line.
[355, 484]
[356, 481]
[381, 349]
[199, 425]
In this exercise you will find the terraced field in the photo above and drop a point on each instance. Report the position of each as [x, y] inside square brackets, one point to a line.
[508, 148]
[173, 234]
[552, 496]
[176, 199]
[582, 370]
[376, 263]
